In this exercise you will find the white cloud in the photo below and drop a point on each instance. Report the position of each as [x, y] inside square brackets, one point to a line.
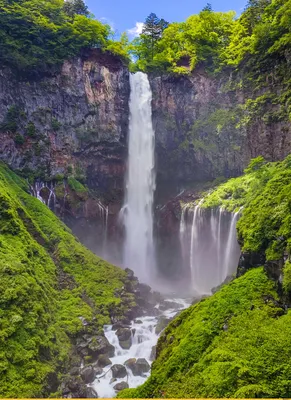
[137, 30]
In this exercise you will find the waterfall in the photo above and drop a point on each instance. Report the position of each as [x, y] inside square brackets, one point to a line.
[137, 212]
[209, 246]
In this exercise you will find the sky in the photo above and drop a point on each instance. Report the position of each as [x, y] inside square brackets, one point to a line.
[127, 15]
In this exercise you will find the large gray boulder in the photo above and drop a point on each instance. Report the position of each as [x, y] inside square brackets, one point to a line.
[118, 371]
[88, 374]
[138, 367]
[120, 386]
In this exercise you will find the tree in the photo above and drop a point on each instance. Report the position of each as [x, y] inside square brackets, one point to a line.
[152, 32]
[208, 7]
[76, 7]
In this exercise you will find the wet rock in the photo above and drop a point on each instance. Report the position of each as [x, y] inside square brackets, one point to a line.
[143, 289]
[91, 393]
[120, 386]
[112, 380]
[169, 305]
[123, 334]
[130, 274]
[153, 353]
[103, 361]
[76, 388]
[100, 345]
[126, 344]
[162, 323]
[98, 370]
[119, 325]
[130, 362]
[133, 332]
[118, 371]
[124, 338]
[88, 374]
[138, 321]
[139, 367]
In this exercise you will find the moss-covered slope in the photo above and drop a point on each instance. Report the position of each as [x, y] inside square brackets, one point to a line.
[233, 344]
[48, 280]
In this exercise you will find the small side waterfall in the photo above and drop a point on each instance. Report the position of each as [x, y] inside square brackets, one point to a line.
[137, 212]
[209, 246]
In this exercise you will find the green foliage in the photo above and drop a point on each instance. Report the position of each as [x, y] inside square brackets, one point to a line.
[56, 125]
[264, 192]
[35, 36]
[30, 130]
[48, 280]
[76, 185]
[287, 277]
[233, 344]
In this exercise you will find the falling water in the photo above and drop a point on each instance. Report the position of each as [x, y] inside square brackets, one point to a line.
[138, 209]
[209, 246]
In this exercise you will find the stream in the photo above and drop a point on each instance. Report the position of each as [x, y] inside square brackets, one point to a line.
[143, 340]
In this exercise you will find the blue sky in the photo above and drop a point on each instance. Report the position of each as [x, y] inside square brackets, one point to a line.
[123, 15]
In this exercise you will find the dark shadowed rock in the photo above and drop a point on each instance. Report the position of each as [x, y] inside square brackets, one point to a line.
[120, 386]
[123, 334]
[91, 393]
[103, 361]
[100, 345]
[138, 367]
[88, 374]
[118, 371]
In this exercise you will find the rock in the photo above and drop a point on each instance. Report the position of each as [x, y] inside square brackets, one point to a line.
[88, 374]
[162, 323]
[123, 334]
[100, 345]
[118, 371]
[130, 362]
[119, 325]
[143, 289]
[153, 353]
[126, 344]
[124, 338]
[98, 370]
[169, 305]
[75, 371]
[112, 380]
[103, 361]
[139, 367]
[120, 386]
[138, 321]
[91, 393]
[129, 273]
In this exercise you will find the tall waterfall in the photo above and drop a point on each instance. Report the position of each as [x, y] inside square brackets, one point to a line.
[209, 246]
[138, 208]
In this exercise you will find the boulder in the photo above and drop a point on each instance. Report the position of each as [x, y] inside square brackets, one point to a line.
[126, 344]
[138, 321]
[100, 345]
[139, 367]
[162, 323]
[130, 362]
[120, 386]
[103, 361]
[88, 374]
[75, 371]
[118, 371]
[123, 334]
[124, 338]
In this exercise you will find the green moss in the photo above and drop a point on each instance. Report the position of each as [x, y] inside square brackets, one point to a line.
[76, 185]
[264, 192]
[48, 281]
[232, 344]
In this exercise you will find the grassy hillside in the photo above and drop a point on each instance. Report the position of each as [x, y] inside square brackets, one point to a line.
[236, 343]
[48, 280]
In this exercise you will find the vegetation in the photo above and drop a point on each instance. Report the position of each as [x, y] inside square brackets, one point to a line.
[233, 344]
[35, 36]
[48, 281]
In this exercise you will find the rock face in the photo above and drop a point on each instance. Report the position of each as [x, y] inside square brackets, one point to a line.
[77, 119]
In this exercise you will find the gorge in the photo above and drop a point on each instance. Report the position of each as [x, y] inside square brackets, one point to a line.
[145, 204]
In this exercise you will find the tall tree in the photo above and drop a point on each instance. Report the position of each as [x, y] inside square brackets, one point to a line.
[152, 31]
[75, 7]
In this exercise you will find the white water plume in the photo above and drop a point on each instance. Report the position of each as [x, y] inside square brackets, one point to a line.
[209, 246]
[137, 212]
